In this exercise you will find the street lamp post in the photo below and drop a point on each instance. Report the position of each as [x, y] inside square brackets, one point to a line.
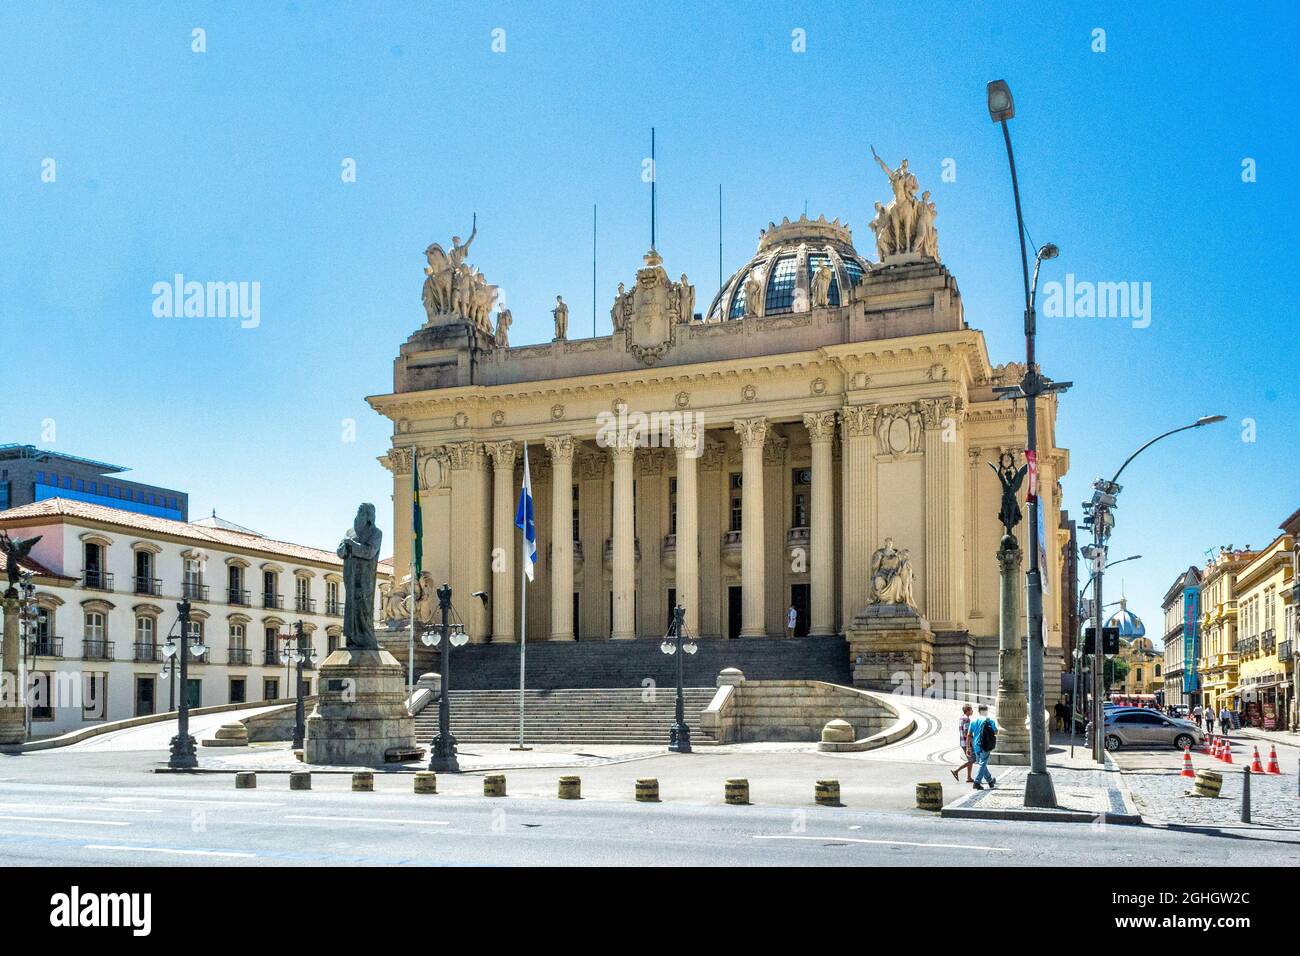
[442, 750]
[1100, 518]
[679, 738]
[183, 754]
[1038, 784]
[293, 651]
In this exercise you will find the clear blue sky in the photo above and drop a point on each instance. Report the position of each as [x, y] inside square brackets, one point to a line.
[225, 165]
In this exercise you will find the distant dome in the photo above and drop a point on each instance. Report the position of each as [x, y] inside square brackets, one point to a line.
[788, 256]
[1129, 624]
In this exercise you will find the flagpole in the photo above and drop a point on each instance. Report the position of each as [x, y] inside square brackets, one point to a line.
[523, 521]
[523, 643]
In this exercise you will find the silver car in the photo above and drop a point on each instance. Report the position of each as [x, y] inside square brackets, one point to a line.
[1147, 729]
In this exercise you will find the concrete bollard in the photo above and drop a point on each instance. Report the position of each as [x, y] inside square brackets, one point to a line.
[1245, 795]
[570, 788]
[245, 780]
[736, 792]
[1208, 783]
[838, 731]
[827, 793]
[647, 790]
[929, 796]
[426, 781]
[494, 785]
[363, 781]
[300, 780]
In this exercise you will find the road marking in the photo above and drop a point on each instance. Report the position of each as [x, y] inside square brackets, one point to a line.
[163, 849]
[839, 839]
[424, 823]
[99, 808]
[103, 823]
[185, 802]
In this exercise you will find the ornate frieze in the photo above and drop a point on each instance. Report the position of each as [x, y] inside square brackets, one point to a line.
[775, 449]
[503, 454]
[900, 429]
[858, 420]
[464, 454]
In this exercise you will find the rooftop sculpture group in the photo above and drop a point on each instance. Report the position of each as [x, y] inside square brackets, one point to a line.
[906, 225]
[454, 289]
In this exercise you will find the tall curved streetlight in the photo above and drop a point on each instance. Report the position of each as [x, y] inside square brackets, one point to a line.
[1039, 791]
[1099, 517]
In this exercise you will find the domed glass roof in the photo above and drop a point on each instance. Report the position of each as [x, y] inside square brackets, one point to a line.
[788, 257]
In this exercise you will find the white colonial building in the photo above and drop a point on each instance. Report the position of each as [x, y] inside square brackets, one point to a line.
[107, 585]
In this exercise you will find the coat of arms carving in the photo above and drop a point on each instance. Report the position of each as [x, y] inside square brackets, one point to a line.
[649, 314]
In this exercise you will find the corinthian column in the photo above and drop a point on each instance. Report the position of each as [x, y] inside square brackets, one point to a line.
[821, 560]
[752, 432]
[623, 451]
[560, 448]
[504, 541]
[469, 567]
[858, 422]
[689, 440]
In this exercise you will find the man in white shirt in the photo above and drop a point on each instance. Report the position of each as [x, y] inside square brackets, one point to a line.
[791, 618]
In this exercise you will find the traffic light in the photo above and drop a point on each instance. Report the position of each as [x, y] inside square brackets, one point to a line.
[1109, 640]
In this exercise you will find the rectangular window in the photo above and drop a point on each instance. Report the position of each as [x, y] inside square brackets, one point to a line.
[270, 689]
[672, 505]
[238, 691]
[577, 528]
[38, 695]
[801, 487]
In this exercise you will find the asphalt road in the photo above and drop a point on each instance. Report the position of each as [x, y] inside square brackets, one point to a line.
[75, 810]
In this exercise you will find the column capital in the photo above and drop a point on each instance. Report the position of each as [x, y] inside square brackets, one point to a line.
[936, 411]
[687, 439]
[398, 460]
[820, 425]
[463, 455]
[503, 454]
[858, 420]
[560, 447]
[622, 447]
[752, 431]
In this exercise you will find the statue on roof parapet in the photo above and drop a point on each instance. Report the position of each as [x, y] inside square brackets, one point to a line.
[904, 227]
[455, 290]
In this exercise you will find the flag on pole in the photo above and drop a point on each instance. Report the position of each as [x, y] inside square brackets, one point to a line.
[417, 520]
[524, 519]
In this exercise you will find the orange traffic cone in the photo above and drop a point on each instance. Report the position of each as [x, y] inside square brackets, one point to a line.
[1216, 748]
[1187, 763]
[1272, 761]
[1227, 750]
[1208, 744]
[1255, 765]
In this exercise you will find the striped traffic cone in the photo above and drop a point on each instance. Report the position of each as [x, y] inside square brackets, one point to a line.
[1272, 761]
[1207, 745]
[1255, 765]
[1216, 748]
[1187, 763]
[1227, 750]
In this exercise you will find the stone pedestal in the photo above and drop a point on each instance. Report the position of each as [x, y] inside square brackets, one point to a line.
[1012, 704]
[360, 717]
[13, 729]
[886, 639]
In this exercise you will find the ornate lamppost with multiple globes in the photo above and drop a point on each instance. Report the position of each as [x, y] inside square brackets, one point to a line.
[296, 653]
[442, 751]
[676, 642]
[183, 755]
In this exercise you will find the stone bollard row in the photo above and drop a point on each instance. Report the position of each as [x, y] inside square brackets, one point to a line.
[736, 791]
[245, 780]
[570, 788]
[426, 781]
[647, 790]
[494, 785]
[929, 796]
[300, 780]
[363, 781]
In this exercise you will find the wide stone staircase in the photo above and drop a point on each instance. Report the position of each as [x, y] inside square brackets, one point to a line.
[566, 716]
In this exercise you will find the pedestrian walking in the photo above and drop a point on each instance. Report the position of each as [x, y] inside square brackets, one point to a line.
[1198, 716]
[984, 737]
[1225, 720]
[964, 741]
[1062, 715]
[1209, 718]
[791, 619]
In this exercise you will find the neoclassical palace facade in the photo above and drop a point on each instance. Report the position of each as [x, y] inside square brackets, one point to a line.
[822, 405]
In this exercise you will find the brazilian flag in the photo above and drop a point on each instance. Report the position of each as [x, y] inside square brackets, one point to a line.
[417, 522]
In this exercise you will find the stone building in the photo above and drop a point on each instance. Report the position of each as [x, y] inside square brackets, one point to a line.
[1264, 691]
[107, 584]
[1219, 664]
[737, 461]
[1179, 682]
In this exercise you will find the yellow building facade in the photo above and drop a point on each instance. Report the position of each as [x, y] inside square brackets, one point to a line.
[1219, 662]
[1264, 690]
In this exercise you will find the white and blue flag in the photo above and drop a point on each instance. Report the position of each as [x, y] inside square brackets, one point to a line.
[524, 519]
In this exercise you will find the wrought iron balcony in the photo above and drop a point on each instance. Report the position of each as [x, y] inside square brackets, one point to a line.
[147, 653]
[194, 591]
[237, 597]
[93, 650]
[47, 647]
[275, 601]
[334, 608]
[146, 585]
[239, 655]
[96, 580]
[1268, 641]
[305, 605]
[271, 657]
[1284, 650]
